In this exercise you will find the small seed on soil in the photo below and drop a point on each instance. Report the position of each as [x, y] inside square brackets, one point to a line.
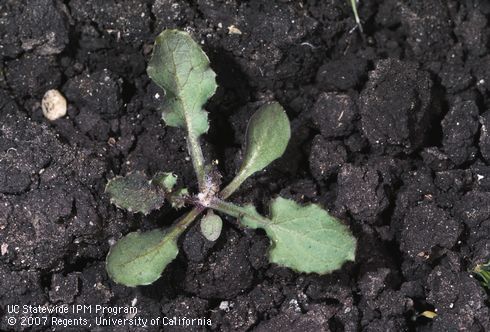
[53, 105]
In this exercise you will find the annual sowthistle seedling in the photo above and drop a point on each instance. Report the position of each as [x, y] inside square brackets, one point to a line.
[304, 238]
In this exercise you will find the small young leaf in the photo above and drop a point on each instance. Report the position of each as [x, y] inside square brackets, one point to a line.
[181, 68]
[304, 238]
[135, 193]
[268, 134]
[178, 198]
[139, 258]
[211, 226]
[165, 180]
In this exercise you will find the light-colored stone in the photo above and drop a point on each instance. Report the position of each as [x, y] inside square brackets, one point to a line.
[233, 30]
[4, 249]
[54, 105]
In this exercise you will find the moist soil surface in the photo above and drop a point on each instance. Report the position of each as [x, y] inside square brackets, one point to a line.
[389, 133]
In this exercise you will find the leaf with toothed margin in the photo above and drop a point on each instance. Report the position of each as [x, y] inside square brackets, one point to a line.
[140, 258]
[181, 68]
[304, 238]
[166, 180]
[135, 193]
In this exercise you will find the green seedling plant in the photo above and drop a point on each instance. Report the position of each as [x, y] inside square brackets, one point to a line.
[353, 5]
[303, 238]
[482, 271]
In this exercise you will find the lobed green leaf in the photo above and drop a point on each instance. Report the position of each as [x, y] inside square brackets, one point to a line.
[304, 238]
[135, 193]
[140, 258]
[181, 68]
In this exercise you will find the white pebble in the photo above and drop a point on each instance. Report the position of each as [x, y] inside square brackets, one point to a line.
[233, 30]
[225, 306]
[4, 249]
[53, 105]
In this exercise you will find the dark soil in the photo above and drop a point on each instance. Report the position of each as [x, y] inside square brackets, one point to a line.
[390, 133]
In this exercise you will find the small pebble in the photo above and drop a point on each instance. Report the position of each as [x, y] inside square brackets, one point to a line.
[233, 30]
[4, 249]
[53, 105]
[225, 305]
